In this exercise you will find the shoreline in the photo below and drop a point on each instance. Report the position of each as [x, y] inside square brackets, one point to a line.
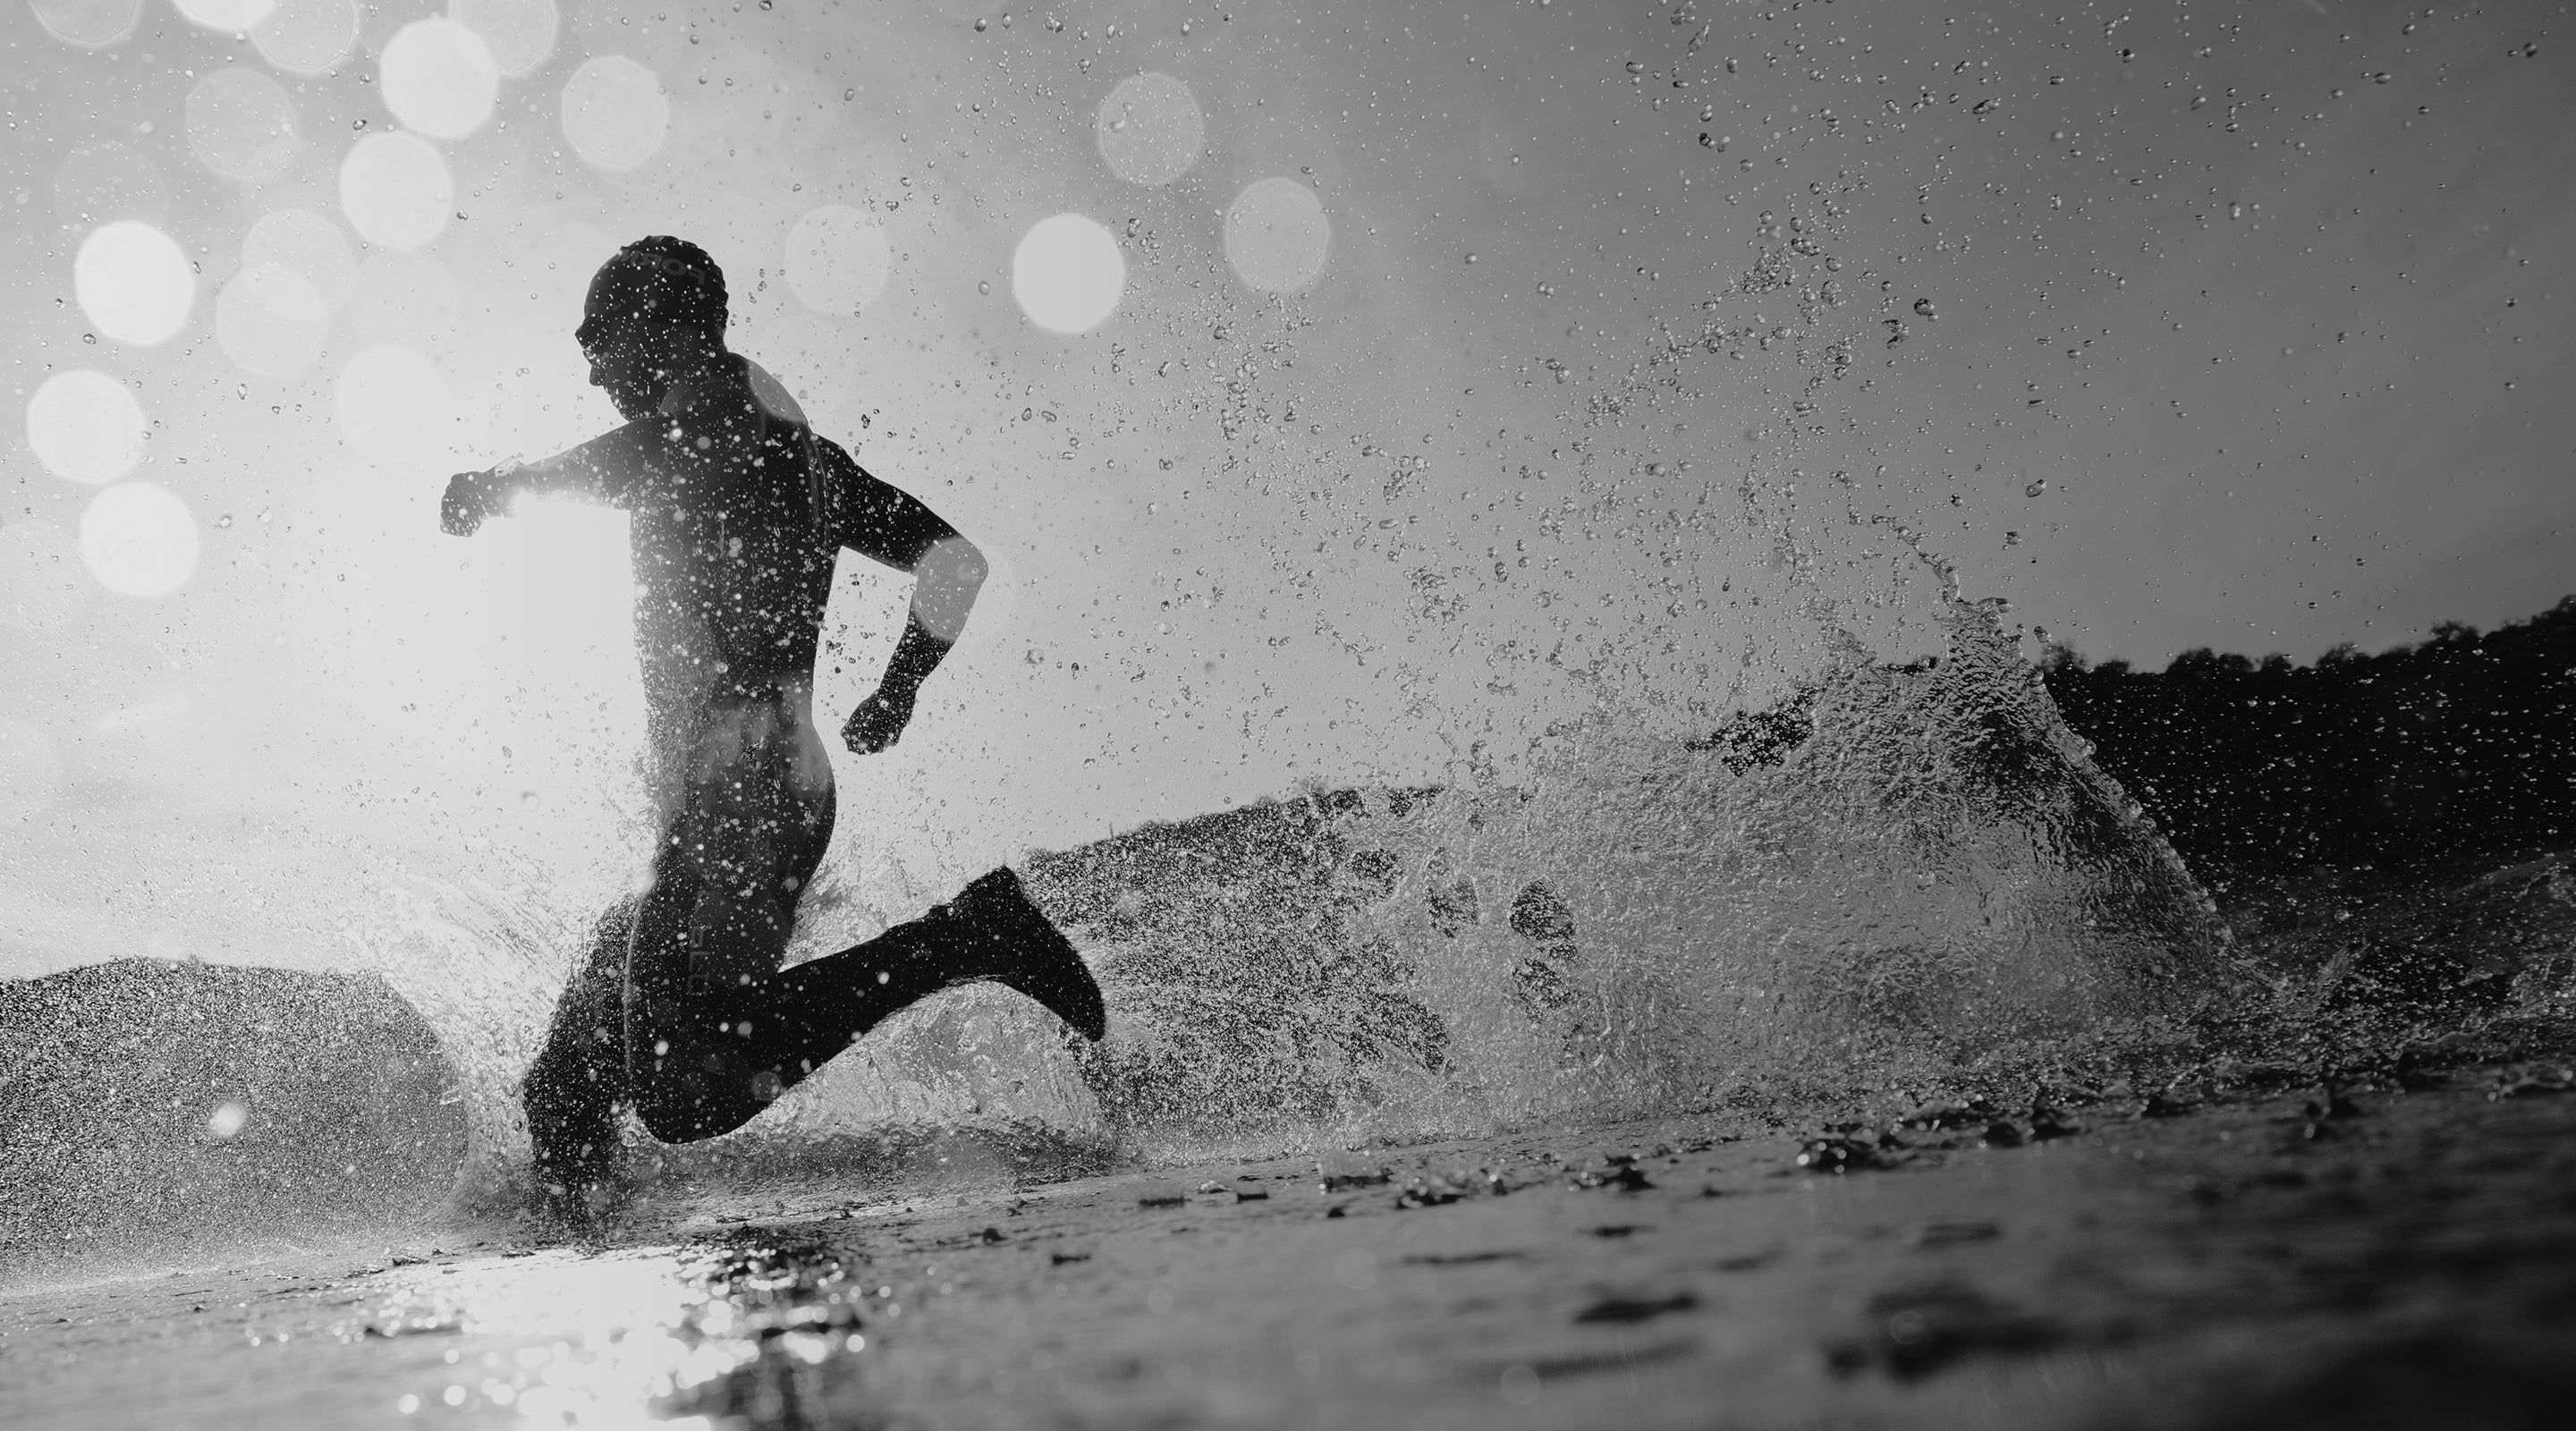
[2250, 1259]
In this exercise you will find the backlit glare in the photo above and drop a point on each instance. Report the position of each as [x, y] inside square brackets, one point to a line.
[133, 282]
[1067, 274]
[439, 78]
[85, 426]
[615, 115]
[520, 33]
[99, 183]
[233, 16]
[241, 124]
[40, 576]
[271, 321]
[836, 260]
[307, 245]
[1276, 235]
[395, 190]
[31, 770]
[306, 37]
[1149, 129]
[403, 298]
[138, 540]
[88, 23]
[393, 406]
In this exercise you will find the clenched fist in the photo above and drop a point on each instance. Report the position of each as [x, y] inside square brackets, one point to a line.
[471, 496]
[879, 720]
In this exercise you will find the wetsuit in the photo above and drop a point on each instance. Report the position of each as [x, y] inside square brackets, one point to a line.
[738, 512]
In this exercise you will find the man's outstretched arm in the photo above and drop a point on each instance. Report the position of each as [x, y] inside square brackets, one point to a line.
[599, 470]
[887, 525]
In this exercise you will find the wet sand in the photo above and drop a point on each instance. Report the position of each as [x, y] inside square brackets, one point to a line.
[2405, 1258]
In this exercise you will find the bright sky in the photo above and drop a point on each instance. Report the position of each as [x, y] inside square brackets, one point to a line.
[1337, 387]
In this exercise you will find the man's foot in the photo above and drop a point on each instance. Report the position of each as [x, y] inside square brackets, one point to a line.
[572, 1130]
[1017, 946]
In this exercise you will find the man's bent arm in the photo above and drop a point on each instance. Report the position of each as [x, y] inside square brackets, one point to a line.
[945, 581]
[944, 585]
[887, 525]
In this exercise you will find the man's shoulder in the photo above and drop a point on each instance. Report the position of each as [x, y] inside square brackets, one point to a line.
[771, 394]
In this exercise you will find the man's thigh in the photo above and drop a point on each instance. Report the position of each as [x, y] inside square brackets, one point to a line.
[754, 828]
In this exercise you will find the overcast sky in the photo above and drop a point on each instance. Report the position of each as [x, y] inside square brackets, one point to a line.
[1337, 387]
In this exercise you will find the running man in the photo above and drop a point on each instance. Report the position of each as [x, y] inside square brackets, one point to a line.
[738, 511]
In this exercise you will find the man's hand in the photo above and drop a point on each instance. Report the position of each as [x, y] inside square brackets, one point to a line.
[880, 719]
[470, 498]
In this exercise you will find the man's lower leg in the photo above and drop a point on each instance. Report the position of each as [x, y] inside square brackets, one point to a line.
[723, 1055]
[571, 1091]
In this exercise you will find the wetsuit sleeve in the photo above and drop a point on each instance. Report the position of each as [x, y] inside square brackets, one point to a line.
[607, 469]
[875, 519]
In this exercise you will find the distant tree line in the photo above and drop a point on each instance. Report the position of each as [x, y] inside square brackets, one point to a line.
[2443, 759]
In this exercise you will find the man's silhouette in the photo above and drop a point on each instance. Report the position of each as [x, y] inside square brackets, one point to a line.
[738, 510]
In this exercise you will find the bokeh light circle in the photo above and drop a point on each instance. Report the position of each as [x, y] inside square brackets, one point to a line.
[520, 33]
[403, 298]
[439, 78]
[85, 426]
[836, 260]
[396, 190]
[307, 245]
[615, 115]
[306, 37]
[1276, 235]
[241, 124]
[41, 585]
[231, 16]
[270, 320]
[91, 24]
[1149, 129]
[1067, 274]
[133, 282]
[138, 540]
[393, 405]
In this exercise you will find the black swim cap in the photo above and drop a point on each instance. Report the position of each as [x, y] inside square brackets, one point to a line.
[661, 279]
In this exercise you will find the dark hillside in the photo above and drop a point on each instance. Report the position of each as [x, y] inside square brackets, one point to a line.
[2435, 761]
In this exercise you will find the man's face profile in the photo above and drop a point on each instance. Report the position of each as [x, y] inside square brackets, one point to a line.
[621, 356]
